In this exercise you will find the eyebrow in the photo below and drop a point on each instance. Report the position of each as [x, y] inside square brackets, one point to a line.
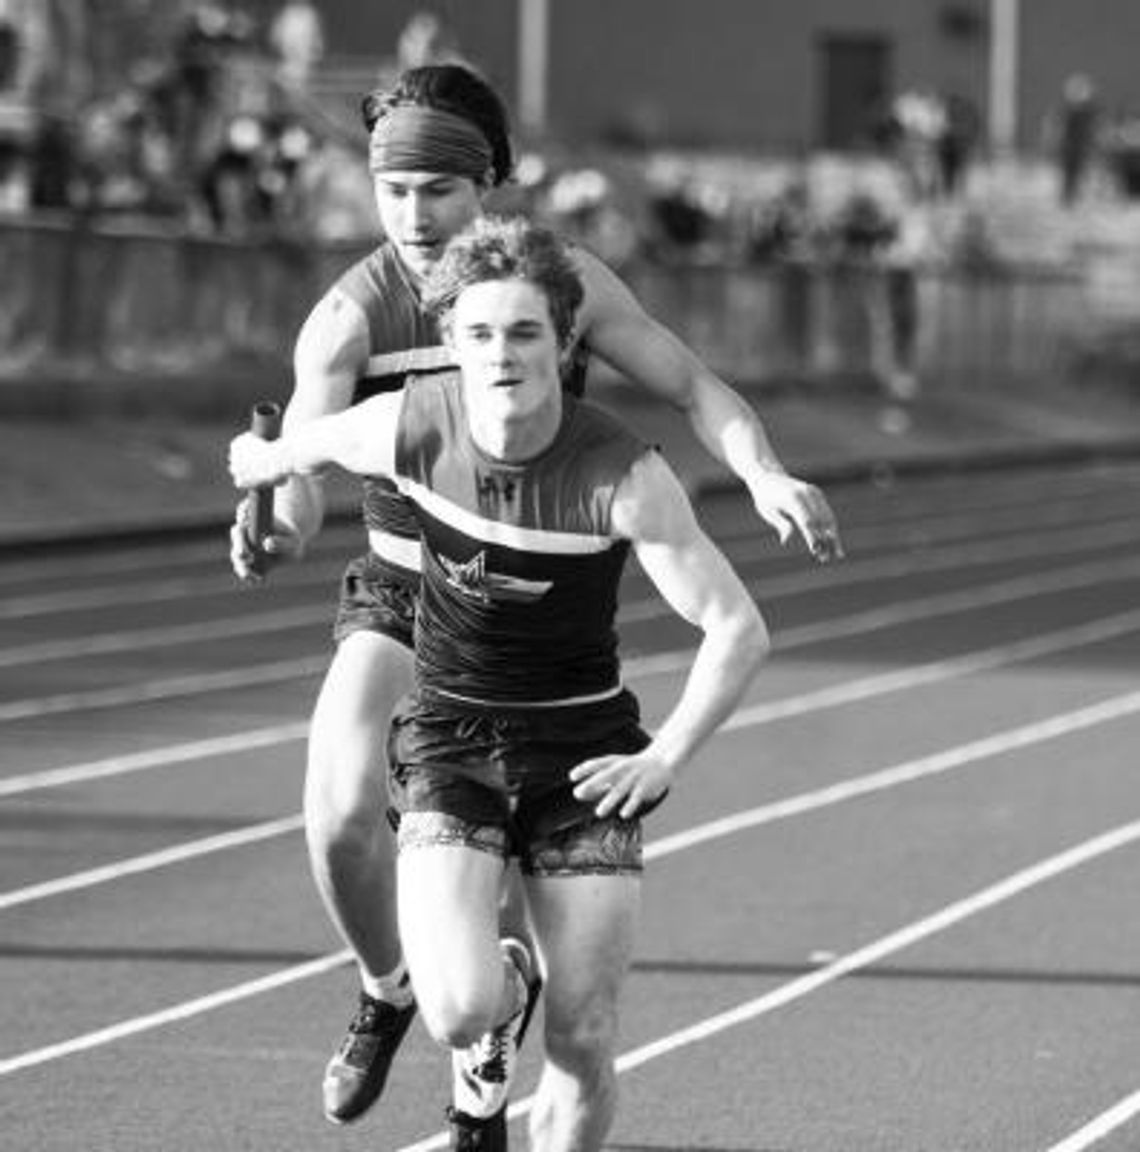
[437, 182]
[527, 322]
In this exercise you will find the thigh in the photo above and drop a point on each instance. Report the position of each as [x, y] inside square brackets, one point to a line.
[347, 740]
[448, 901]
[584, 926]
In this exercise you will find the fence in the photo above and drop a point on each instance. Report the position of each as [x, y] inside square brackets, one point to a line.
[95, 318]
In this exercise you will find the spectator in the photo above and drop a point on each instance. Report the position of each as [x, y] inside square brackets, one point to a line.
[24, 66]
[1076, 134]
[956, 142]
[296, 36]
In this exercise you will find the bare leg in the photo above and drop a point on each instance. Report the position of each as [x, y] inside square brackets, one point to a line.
[351, 847]
[448, 897]
[584, 927]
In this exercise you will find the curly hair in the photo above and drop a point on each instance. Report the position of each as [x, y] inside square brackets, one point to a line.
[507, 248]
[455, 89]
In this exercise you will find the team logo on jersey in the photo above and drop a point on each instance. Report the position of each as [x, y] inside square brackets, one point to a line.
[473, 581]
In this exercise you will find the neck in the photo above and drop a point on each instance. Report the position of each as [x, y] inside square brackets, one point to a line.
[516, 438]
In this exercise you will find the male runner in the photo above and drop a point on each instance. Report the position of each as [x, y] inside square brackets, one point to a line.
[520, 739]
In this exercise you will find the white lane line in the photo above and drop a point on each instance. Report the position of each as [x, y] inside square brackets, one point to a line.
[150, 861]
[174, 687]
[846, 692]
[176, 1012]
[938, 762]
[283, 670]
[984, 748]
[900, 565]
[1106, 711]
[1100, 1126]
[156, 591]
[142, 639]
[919, 608]
[155, 758]
[924, 550]
[937, 671]
[947, 917]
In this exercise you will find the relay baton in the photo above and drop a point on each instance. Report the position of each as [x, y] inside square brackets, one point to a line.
[265, 421]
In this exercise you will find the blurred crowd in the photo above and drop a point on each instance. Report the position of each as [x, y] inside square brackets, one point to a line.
[215, 127]
[209, 127]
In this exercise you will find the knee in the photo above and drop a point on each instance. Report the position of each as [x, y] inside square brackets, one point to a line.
[342, 824]
[458, 1017]
[583, 1041]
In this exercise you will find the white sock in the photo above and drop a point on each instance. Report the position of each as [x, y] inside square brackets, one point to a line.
[394, 988]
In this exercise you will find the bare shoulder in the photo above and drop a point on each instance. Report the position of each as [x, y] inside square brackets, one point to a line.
[331, 353]
[604, 292]
[651, 504]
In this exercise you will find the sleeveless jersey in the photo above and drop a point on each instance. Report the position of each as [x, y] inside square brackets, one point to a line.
[520, 564]
[403, 340]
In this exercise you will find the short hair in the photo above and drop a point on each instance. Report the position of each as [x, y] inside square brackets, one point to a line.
[455, 89]
[507, 248]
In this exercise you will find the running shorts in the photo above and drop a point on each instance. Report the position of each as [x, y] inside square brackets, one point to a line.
[496, 778]
[377, 596]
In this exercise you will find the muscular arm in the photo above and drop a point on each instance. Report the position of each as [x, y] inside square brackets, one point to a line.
[652, 510]
[361, 439]
[330, 356]
[616, 327]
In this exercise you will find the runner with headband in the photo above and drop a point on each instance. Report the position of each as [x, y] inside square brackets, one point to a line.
[439, 142]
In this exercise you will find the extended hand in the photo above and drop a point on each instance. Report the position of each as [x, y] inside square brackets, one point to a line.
[625, 785]
[792, 505]
[255, 462]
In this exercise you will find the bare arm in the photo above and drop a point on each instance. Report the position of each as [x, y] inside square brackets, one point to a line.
[652, 510]
[617, 328]
[361, 439]
[330, 355]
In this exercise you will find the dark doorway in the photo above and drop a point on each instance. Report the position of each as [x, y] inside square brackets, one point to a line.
[854, 86]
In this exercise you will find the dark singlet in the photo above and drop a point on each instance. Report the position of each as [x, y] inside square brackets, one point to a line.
[403, 340]
[520, 564]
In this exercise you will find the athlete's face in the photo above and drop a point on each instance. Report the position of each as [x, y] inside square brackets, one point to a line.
[421, 211]
[505, 343]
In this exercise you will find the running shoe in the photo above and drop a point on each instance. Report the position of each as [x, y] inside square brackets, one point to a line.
[356, 1075]
[482, 1074]
[469, 1134]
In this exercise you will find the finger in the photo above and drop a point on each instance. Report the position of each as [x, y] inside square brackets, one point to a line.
[825, 546]
[586, 769]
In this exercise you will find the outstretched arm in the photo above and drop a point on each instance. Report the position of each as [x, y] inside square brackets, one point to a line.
[361, 439]
[698, 582]
[621, 332]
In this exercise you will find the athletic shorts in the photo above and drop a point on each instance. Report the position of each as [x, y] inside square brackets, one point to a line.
[376, 596]
[496, 779]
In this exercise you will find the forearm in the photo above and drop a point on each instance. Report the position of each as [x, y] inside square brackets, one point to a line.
[299, 504]
[731, 430]
[725, 664]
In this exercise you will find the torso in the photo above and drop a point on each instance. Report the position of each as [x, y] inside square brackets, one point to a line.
[520, 563]
[403, 340]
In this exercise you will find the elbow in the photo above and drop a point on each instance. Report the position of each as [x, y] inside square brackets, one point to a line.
[754, 643]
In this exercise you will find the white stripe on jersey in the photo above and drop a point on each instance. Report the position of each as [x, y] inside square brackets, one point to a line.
[410, 360]
[495, 532]
[398, 550]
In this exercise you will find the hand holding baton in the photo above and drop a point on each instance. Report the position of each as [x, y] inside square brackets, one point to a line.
[265, 421]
